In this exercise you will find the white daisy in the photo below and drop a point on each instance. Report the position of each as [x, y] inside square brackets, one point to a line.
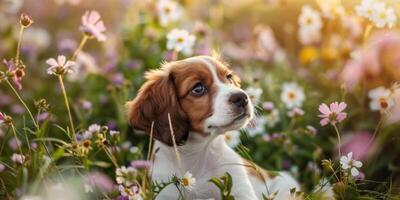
[168, 11]
[232, 138]
[188, 181]
[367, 8]
[348, 163]
[381, 99]
[60, 66]
[310, 18]
[181, 41]
[292, 95]
[331, 8]
[384, 16]
[377, 12]
[254, 94]
[272, 118]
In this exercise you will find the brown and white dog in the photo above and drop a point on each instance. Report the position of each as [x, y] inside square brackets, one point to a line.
[204, 100]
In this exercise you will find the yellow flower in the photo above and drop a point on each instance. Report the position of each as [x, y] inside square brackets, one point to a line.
[308, 55]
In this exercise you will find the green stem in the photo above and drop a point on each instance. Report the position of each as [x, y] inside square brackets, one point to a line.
[23, 103]
[80, 47]
[338, 137]
[111, 156]
[334, 173]
[21, 31]
[60, 78]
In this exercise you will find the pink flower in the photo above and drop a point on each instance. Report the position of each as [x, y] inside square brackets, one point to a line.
[2, 118]
[141, 164]
[268, 106]
[16, 73]
[332, 114]
[359, 143]
[93, 26]
[18, 158]
[296, 112]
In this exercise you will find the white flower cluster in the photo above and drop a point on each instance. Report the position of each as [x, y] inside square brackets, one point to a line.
[310, 23]
[125, 177]
[377, 12]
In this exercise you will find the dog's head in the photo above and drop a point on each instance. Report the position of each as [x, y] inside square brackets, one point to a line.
[200, 94]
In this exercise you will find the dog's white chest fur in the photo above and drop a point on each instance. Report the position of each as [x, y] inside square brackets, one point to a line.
[205, 159]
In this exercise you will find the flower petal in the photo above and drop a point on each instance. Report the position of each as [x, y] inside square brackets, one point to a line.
[354, 171]
[52, 62]
[342, 106]
[357, 163]
[61, 60]
[324, 109]
[324, 122]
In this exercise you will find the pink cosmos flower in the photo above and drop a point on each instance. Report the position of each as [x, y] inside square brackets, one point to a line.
[93, 26]
[332, 114]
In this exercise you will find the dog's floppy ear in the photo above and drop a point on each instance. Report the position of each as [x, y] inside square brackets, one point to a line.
[156, 98]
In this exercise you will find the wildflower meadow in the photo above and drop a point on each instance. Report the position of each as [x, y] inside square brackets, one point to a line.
[324, 76]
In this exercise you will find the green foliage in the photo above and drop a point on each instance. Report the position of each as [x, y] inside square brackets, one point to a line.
[224, 184]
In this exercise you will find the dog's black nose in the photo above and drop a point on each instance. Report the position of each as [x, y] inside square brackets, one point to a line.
[239, 99]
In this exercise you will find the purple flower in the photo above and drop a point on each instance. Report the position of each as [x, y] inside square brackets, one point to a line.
[141, 164]
[67, 45]
[93, 26]
[14, 143]
[133, 64]
[17, 109]
[122, 197]
[112, 125]
[43, 116]
[118, 79]
[86, 105]
[34, 145]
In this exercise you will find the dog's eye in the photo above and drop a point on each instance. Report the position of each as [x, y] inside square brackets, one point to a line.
[198, 90]
[230, 77]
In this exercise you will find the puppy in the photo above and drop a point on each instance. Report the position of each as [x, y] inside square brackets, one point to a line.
[204, 100]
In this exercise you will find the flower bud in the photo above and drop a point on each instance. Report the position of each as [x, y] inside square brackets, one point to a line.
[25, 20]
